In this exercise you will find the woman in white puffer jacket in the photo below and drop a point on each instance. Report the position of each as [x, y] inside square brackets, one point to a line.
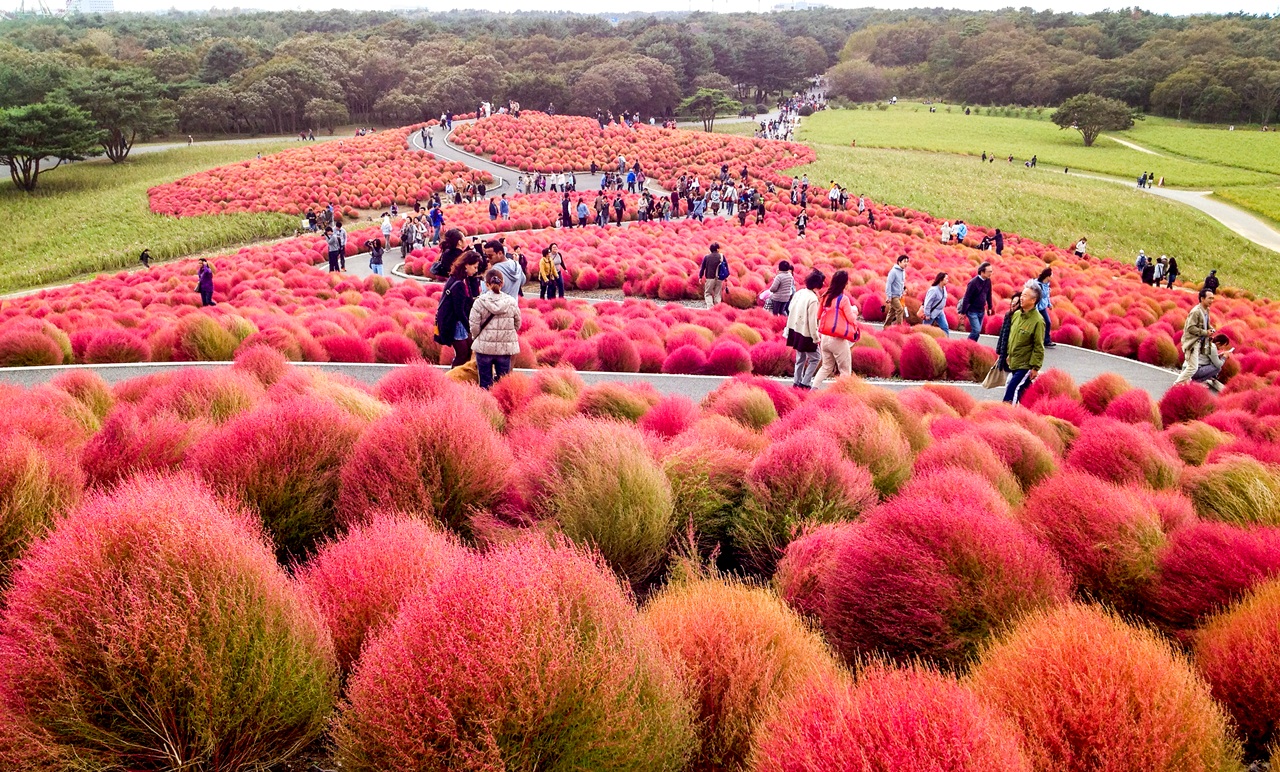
[495, 330]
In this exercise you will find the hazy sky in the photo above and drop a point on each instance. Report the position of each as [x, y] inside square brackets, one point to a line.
[1176, 7]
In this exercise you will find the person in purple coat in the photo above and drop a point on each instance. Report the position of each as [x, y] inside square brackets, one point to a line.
[204, 283]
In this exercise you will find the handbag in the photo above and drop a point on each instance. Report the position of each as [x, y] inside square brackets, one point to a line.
[995, 378]
[833, 324]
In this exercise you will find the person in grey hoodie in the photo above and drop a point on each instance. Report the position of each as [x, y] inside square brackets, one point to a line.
[513, 277]
[781, 290]
[894, 287]
[495, 329]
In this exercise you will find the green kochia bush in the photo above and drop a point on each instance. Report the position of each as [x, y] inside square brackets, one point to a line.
[532, 658]
[1236, 489]
[153, 630]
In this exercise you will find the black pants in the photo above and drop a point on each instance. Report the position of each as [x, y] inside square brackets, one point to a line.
[206, 297]
[333, 260]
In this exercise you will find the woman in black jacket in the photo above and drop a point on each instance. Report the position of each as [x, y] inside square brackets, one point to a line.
[454, 312]
[450, 249]
[1002, 343]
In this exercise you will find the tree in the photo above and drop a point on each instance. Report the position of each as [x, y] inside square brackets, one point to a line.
[221, 61]
[857, 80]
[1091, 115]
[126, 105]
[207, 109]
[32, 134]
[1182, 89]
[707, 104]
[399, 108]
[326, 113]
[1262, 91]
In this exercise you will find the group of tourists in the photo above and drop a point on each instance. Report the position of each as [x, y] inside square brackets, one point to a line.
[541, 183]
[1205, 350]
[1154, 272]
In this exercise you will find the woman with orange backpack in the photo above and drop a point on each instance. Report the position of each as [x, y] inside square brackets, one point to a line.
[838, 327]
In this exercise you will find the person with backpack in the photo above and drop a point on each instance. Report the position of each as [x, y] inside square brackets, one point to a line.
[838, 328]
[1211, 281]
[495, 329]
[341, 234]
[453, 315]
[713, 272]
[1141, 262]
[619, 207]
[802, 329]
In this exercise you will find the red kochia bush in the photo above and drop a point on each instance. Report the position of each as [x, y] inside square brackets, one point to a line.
[153, 629]
[358, 581]
[1107, 536]
[672, 415]
[112, 346]
[1134, 407]
[132, 441]
[973, 455]
[908, 720]
[1238, 652]
[1206, 567]
[740, 650]
[531, 657]
[37, 484]
[282, 461]
[800, 576]
[1123, 453]
[1186, 402]
[926, 578]
[1090, 693]
[437, 459]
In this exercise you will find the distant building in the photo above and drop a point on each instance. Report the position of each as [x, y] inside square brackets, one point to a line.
[91, 6]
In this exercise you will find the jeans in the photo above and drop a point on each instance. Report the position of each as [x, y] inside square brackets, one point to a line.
[1047, 325]
[333, 259]
[975, 324]
[559, 282]
[940, 320]
[806, 367]
[1018, 383]
[376, 268]
[492, 368]
[780, 308]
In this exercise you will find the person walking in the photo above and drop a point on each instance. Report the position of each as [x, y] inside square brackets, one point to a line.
[504, 208]
[894, 287]
[1196, 331]
[341, 234]
[802, 222]
[1171, 272]
[334, 247]
[204, 283]
[386, 228]
[145, 258]
[1045, 303]
[619, 207]
[1025, 345]
[495, 330]
[711, 271]
[1211, 281]
[1161, 265]
[802, 329]
[838, 328]
[782, 289]
[977, 300]
[453, 315]
[934, 309]
[583, 212]
[999, 242]
[450, 250]
[1082, 246]
[1149, 273]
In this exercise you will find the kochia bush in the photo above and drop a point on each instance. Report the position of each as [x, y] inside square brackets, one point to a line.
[1090, 693]
[1123, 453]
[530, 658]
[154, 606]
[36, 486]
[1236, 489]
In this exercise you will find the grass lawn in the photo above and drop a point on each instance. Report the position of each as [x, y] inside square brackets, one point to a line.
[1048, 206]
[739, 128]
[1243, 149]
[93, 216]
[911, 126]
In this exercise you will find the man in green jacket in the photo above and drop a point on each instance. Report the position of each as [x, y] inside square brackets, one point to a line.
[1026, 344]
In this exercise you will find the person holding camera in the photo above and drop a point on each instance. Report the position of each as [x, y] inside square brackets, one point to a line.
[375, 255]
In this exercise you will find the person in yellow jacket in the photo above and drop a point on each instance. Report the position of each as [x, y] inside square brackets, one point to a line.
[551, 273]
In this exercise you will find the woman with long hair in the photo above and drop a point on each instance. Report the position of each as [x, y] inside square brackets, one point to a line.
[838, 326]
[1045, 304]
[934, 310]
[454, 313]
[450, 250]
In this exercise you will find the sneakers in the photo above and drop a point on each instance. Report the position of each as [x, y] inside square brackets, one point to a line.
[1051, 344]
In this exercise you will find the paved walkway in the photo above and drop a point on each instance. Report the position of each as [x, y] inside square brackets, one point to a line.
[1133, 146]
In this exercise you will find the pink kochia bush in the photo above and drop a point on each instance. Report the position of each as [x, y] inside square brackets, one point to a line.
[1238, 652]
[740, 649]
[1090, 693]
[282, 461]
[359, 580]
[438, 459]
[532, 657]
[1123, 453]
[153, 629]
[922, 577]
[907, 720]
[37, 485]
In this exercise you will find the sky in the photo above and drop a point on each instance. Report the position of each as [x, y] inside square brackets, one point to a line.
[1175, 7]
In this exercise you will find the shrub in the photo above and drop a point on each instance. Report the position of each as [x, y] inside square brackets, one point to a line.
[922, 359]
[686, 360]
[532, 658]
[740, 650]
[800, 576]
[37, 485]
[796, 481]
[871, 362]
[1025, 454]
[955, 487]
[707, 486]
[617, 401]
[673, 414]
[726, 358]
[1123, 453]
[1134, 407]
[905, 720]
[598, 483]
[153, 629]
[1205, 568]
[440, 459]
[971, 454]
[750, 406]
[113, 345]
[195, 393]
[864, 435]
[1108, 538]
[1063, 408]
[1237, 653]
[283, 462]
[1236, 489]
[1098, 393]
[418, 382]
[617, 353]
[1089, 692]
[1186, 402]
[201, 339]
[28, 348]
[1051, 383]
[771, 358]
[1195, 440]
[359, 580]
[395, 348]
[924, 579]
[87, 388]
[132, 441]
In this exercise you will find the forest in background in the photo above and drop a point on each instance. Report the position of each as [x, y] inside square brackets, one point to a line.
[289, 71]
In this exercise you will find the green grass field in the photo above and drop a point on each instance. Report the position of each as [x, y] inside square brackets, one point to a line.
[1048, 206]
[93, 216]
[911, 126]
[1244, 149]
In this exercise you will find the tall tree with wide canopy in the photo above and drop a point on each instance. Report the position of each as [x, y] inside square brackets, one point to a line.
[1091, 115]
[127, 105]
[30, 135]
